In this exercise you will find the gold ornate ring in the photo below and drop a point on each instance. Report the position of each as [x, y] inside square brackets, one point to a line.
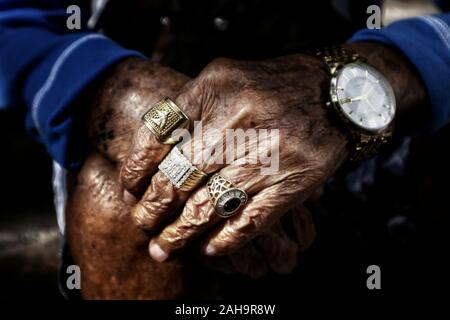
[224, 196]
[163, 118]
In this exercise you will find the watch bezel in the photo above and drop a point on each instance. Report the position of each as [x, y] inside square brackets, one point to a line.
[338, 106]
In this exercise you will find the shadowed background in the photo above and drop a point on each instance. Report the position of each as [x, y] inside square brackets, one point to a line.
[399, 222]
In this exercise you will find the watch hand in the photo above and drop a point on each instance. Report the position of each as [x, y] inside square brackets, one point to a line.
[345, 100]
[358, 98]
[350, 100]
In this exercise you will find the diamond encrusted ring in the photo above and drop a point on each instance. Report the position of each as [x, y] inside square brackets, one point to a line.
[180, 171]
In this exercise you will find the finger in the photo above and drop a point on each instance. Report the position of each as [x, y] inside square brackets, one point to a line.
[158, 204]
[301, 220]
[145, 155]
[259, 215]
[129, 199]
[163, 199]
[249, 261]
[147, 152]
[198, 214]
[278, 249]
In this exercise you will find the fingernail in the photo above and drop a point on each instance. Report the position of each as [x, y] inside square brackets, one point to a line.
[210, 250]
[157, 253]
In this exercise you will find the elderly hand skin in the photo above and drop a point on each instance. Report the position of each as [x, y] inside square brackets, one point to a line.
[287, 93]
[103, 239]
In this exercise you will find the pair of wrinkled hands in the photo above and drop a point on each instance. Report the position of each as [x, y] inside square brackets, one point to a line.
[286, 93]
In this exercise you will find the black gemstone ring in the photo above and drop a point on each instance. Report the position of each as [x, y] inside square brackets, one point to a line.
[225, 197]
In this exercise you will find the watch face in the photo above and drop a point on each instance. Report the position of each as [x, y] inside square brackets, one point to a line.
[365, 97]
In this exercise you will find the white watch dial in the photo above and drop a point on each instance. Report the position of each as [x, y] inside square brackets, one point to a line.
[366, 98]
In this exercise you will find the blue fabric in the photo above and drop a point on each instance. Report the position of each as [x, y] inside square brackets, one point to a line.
[44, 67]
[426, 42]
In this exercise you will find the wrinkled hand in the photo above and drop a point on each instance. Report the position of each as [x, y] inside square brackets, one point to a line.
[287, 94]
[129, 90]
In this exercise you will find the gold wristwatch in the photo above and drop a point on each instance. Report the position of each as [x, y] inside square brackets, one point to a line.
[362, 98]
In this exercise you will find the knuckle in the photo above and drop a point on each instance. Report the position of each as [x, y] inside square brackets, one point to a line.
[143, 217]
[133, 175]
[158, 201]
[231, 239]
[187, 227]
[155, 206]
[189, 224]
[137, 160]
[250, 98]
[142, 133]
[222, 63]
[305, 180]
[255, 222]
[128, 174]
[316, 173]
[220, 69]
[198, 211]
[172, 238]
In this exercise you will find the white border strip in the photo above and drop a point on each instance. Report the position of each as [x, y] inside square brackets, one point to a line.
[442, 29]
[97, 7]
[60, 194]
[52, 76]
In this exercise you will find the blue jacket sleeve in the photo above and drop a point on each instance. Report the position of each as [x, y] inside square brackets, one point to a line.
[426, 42]
[44, 67]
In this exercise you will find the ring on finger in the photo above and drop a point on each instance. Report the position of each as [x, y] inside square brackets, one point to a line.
[224, 196]
[163, 118]
[180, 171]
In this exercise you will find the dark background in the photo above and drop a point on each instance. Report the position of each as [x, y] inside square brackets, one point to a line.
[399, 223]
[29, 239]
